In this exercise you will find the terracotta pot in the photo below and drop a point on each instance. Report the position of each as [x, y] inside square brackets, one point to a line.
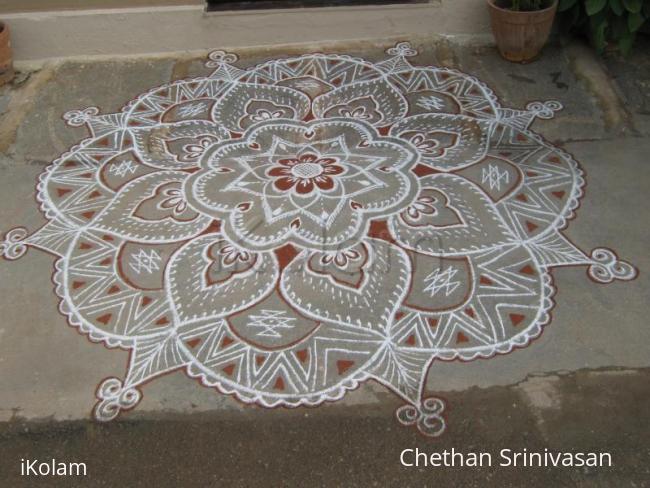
[6, 58]
[521, 35]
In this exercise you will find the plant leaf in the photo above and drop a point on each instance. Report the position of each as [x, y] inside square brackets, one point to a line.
[635, 21]
[619, 28]
[566, 5]
[617, 7]
[625, 44]
[572, 18]
[594, 6]
[633, 6]
[577, 16]
[597, 28]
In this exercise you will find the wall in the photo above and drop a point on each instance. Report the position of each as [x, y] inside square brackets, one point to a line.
[13, 6]
[136, 31]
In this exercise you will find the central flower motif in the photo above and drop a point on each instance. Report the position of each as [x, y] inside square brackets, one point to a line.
[314, 184]
[305, 172]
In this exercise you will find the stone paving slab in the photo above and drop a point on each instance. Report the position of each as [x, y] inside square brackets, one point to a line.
[552, 77]
[633, 78]
[108, 85]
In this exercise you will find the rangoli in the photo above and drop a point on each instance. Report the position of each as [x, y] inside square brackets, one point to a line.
[288, 231]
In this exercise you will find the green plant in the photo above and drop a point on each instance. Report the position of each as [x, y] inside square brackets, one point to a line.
[606, 21]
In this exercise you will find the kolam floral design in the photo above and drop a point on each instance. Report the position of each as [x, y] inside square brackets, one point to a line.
[288, 231]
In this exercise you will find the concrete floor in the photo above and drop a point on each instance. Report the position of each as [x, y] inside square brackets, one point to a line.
[339, 446]
[580, 386]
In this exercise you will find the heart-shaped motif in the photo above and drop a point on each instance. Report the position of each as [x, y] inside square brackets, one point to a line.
[371, 304]
[456, 141]
[345, 266]
[233, 108]
[376, 102]
[197, 295]
[431, 209]
[178, 145]
[227, 260]
[121, 214]
[363, 108]
[167, 201]
[262, 110]
[479, 225]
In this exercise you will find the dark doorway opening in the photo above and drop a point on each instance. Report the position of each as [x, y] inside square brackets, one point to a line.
[217, 5]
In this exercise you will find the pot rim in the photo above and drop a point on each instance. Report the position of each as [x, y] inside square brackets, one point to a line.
[492, 4]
